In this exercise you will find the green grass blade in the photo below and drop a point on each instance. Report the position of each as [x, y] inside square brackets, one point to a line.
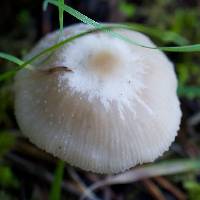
[11, 58]
[87, 20]
[165, 36]
[53, 47]
[7, 75]
[55, 193]
[59, 44]
[182, 91]
[61, 3]
[70, 39]
[186, 48]
[75, 13]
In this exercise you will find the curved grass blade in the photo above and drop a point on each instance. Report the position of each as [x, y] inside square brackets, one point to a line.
[70, 39]
[165, 36]
[186, 48]
[87, 20]
[182, 91]
[11, 58]
[23, 64]
[74, 13]
[53, 47]
[65, 41]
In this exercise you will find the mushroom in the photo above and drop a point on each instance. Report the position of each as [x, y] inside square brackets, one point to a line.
[99, 103]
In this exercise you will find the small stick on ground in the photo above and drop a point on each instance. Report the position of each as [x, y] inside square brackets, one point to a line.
[170, 187]
[153, 189]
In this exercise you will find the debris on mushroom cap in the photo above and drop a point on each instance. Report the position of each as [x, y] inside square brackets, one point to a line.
[99, 103]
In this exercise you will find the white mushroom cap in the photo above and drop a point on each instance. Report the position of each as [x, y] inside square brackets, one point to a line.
[99, 103]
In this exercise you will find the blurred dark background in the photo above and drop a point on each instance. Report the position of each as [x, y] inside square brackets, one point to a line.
[25, 171]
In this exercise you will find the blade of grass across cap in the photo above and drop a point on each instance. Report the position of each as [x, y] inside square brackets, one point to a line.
[148, 171]
[165, 36]
[70, 39]
[53, 47]
[65, 41]
[59, 44]
[91, 22]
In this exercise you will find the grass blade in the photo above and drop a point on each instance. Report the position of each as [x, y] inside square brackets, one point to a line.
[76, 14]
[23, 64]
[11, 58]
[87, 20]
[53, 47]
[70, 39]
[7, 75]
[61, 3]
[98, 26]
[186, 48]
[165, 36]
[55, 193]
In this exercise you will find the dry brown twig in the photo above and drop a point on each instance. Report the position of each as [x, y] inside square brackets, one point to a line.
[153, 189]
[164, 183]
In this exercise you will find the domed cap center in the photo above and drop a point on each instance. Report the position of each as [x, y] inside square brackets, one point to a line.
[103, 62]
